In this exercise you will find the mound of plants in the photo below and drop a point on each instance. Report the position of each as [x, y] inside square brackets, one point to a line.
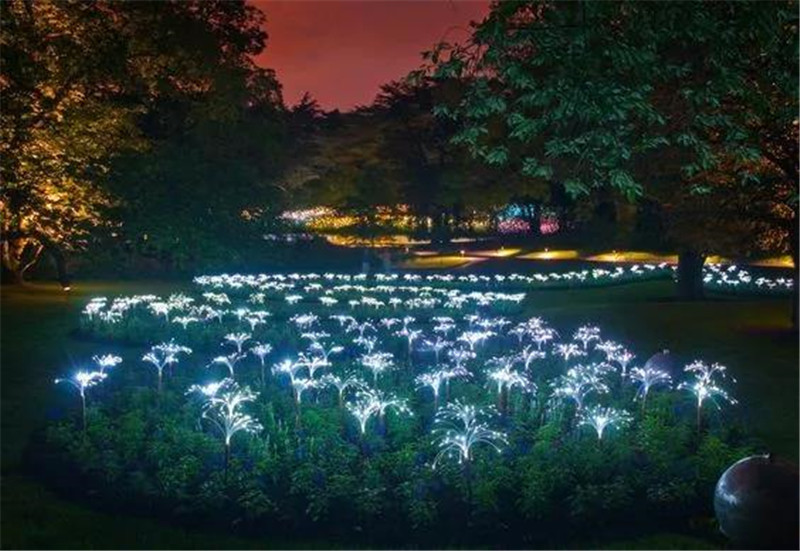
[396, 425]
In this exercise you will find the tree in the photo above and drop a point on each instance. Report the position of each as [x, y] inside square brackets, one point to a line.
[594, 94]
[85, 82]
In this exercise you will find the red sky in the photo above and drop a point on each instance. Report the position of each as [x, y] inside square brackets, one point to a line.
[342, 51]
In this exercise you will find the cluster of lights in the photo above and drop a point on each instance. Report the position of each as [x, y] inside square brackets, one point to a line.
[349, 353]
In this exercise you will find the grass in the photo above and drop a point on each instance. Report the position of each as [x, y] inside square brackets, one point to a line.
[750, 336]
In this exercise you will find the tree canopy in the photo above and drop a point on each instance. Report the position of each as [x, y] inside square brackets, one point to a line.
[86, 84]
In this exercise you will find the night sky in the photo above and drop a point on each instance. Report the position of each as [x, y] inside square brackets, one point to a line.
[342, 51]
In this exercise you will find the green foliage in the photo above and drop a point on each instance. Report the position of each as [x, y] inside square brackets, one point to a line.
[138, 119]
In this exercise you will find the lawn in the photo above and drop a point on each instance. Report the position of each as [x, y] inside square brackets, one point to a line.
[750, 336]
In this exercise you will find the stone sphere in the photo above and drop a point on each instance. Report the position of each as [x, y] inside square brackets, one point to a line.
[756, 503]
[663, 361]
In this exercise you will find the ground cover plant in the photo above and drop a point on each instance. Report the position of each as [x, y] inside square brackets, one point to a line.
[448, 411]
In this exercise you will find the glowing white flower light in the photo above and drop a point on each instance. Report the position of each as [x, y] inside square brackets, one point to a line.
[433, 380]
[368, 343]
[472, 338]
[568, 350]
[185, 321]
[257, 318]
[223, 409]
[543, 335]
[293, 299]
[457, 431]
[81, 381]
[161, 309]
[600, 418]
[312, 363]
[378, 363]
[388, 323]
[302, 384]
[228, 361]
[304, 321]
[106, 361]
[437, 346]
[648, 377]
[580, 381]
[705, 386]
[410, 335]
[529, 354]
[609, 348]
[363, 409]
[587, 334]
[361, 328]
[343, 384]
[459, 356]
[162, 355]
[261, 351]
[238, 340]
[623, 358]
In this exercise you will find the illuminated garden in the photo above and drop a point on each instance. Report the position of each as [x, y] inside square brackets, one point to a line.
[537, 290]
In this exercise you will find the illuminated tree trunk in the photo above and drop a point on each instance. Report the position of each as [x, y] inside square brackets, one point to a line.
[19, 255]
[22, 253]
[690, 275]
[794, 245]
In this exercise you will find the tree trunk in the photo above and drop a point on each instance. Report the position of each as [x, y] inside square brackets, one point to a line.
[795, 248]
[690, 275]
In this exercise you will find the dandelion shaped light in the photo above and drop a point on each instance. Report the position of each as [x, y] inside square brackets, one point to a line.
[600, 418]
[302, 384]
[586, 334]
[647, 378]
[343, 384]
[363, 408]
[457, 431]
[185, 321]
[238, 340]
[378, 363]
[388, 323]
[325, 352]
[361, 328]
[385, 402]
[460, 356]
[161, 309]
[580, 381]
[223, 408]
[433, 380]
[287, 367]
[368, 343]
[81, 381]
[568, 350]
[410, 335]
[437, 346]
[304, 321]
[256, 318]
[162, 355]
[505, 376]
[342, 319]
[261, 351]
[312, 363]
[520, 332]
[623, 358]
[472, 338]
[609, 348]
[293, 299]
[543, 335]
[106, 361]
[315, 336]
[706, 385]
[529, 354]
[228, 361]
